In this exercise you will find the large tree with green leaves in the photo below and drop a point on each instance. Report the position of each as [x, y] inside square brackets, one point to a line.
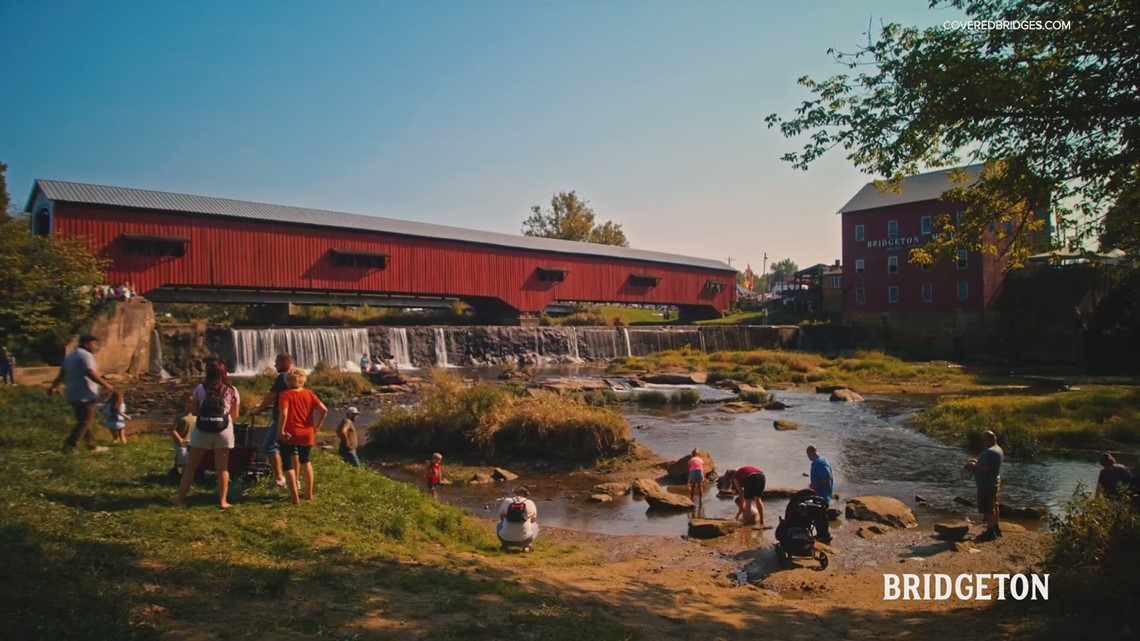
[1053, 112]
[782, 268]
[44, 283]
[571, 218]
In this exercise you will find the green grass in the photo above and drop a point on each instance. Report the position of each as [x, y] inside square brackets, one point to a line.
[92, 549]
[1028, 424]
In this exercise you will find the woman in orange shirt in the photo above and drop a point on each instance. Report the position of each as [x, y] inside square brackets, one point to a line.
[298, 430]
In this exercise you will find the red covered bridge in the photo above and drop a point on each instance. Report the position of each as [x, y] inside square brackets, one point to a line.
[176, 247]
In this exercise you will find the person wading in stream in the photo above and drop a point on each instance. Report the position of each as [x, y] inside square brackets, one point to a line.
[748, 482]
[987, 476]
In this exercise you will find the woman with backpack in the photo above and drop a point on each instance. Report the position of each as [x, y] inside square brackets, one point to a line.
[216, 404]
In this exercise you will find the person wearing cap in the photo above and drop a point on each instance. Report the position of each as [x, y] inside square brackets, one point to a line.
[987, 477]
[346, 434]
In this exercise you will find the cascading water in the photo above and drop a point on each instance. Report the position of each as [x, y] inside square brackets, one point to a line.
[572, 345]
[156, 365]
[628, 348]
[398, 343]
[441, 348]
[256, 349]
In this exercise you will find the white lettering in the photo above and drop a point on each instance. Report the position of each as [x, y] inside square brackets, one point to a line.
[910, 587]
[982, 587]
[1014, 584]
[943, 587]
[1041, 586]
[1001, 578]
[963, 589]
[890, 587]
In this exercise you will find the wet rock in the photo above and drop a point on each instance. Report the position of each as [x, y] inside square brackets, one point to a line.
[600, 498]
[678, 471]
[676, 378]
[961, 500]
[775, 405]
[1011, 512]
[780, 492]
[745, 388]
[712, 528]
[393, 389]
[513, 374]
[1012, 528]
[845, 396]
[479, 478]
[663, 501]
[864, 533]
[827, 389]
[499, 474]
[643, 487]
[737, 407]
[920, 500]
[833, 514]
[877, 529]
[569, 384]
[783, 426]
[612, 489]
[960, 546]
[952, 531]
[727, 383]
[881, 509]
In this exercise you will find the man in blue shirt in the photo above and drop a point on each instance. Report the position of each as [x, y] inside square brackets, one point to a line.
[823, 484]
[987, 477]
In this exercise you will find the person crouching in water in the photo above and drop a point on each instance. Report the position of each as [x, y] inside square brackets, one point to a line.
[746, 512]
[298, 431]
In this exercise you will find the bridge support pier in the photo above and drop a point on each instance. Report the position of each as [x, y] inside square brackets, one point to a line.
[269, 314]
[688, 314]
[492, 311]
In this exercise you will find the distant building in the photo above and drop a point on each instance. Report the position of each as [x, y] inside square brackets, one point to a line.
[833, 290]
[942, 308]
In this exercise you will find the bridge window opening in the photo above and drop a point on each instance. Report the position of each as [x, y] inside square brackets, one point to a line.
[41, 223]
[714, 286]
[154, 246]
[359, 259]
[552, 274]
[642, 280]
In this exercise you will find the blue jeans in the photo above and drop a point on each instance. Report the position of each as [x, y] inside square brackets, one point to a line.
[518, 544]
[269, 446]
[349, 456]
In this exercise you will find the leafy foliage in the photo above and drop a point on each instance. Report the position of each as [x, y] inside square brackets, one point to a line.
[1052, 113]
[779, 269]
[571, 218]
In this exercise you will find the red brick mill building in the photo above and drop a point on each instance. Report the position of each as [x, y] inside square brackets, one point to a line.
[948, 308]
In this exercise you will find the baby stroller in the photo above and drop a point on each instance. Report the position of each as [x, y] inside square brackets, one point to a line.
[246, 463]
[795, 535]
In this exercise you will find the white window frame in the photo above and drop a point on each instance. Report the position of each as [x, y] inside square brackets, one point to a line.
[893, 294]
[927, 293]
[892, 264]
[927, 225]
[963, 259]
[836, 282]
[859, 232]
[860, 266]
[860, 296]
[895, 225]
[963, 290]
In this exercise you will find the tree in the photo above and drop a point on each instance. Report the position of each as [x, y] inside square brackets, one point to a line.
[5, 201]
[43, 283]
[782, 268]
[1051, 107]
[571, 218]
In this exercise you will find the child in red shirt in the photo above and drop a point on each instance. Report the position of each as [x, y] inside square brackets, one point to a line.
[434, 474]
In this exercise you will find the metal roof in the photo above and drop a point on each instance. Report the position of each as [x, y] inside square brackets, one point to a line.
[928, 186]
[64, 191]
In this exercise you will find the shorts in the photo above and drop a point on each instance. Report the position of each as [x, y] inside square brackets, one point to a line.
[181, 454]
[269, 446]
[432, 483]
[223, 440]
[987, 498]
[753, 486]
[287, 452]
[696, 476]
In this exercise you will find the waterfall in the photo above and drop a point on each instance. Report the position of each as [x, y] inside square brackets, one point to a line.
[398, 343]
[256, 349]
[628, 349]
[441, 348]
[156, 366]
[572, 345]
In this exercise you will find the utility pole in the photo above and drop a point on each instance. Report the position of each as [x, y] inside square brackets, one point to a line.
[729, 259]
[765, 271]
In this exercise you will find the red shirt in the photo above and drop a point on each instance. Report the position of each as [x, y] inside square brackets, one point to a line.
[298, 426]
[433, 470]
[745, 472]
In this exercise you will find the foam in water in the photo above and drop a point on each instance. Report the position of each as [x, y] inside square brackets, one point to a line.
[398, 343]
[257, 349]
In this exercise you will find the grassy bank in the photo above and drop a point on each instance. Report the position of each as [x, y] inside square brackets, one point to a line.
[1028, 424]
[865, 370]
[92, 549]
[490, 420]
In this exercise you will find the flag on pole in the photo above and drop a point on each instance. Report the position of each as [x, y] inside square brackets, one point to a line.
[748, 278]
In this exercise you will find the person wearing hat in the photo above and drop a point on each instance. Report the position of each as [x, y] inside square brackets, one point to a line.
[346, 434]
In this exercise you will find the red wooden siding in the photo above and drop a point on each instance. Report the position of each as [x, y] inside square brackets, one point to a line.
[227, 253]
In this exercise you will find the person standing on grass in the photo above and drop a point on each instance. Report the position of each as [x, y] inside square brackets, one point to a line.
[270, 447]
[116, 417]
[82, 382]
[180, 435]
[216, 404]
[987, 477]
[697, 480]
[433, 474]
[7, 367]
[298, 431]
[823, 484]
[346, 434]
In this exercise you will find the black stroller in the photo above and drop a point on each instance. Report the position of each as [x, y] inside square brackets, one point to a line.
[795, 535]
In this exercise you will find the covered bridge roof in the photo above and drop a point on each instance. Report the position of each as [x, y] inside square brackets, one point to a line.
[63, 191]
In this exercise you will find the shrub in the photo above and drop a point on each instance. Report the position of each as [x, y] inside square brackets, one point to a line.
[601, 397]
[756, 398]
[652, 397]
[686, 397]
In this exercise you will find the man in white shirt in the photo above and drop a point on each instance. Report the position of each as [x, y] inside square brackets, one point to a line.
[82, 382]
[518, 521]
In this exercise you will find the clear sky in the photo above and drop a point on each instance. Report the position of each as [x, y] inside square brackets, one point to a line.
[459, 113]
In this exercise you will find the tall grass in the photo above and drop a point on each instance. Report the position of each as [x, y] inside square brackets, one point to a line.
[1028, 424]
[488, 420]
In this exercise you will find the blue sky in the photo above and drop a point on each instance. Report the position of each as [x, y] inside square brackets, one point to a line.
[460, 113]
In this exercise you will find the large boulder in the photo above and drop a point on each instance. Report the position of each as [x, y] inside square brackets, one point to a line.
[952, 531]
[845, 396]
[499, 474]
[645, 487]
[783, 426]
[775, 405]
[1011, 512]
[664, 501]
[600, 498]
[676, 378]
[738, 407]
[780, 492]
[827, 389]
[712, 528]
[745, 388]
[881, 509]
[480, 478]
[678, 471]
[613, 489]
